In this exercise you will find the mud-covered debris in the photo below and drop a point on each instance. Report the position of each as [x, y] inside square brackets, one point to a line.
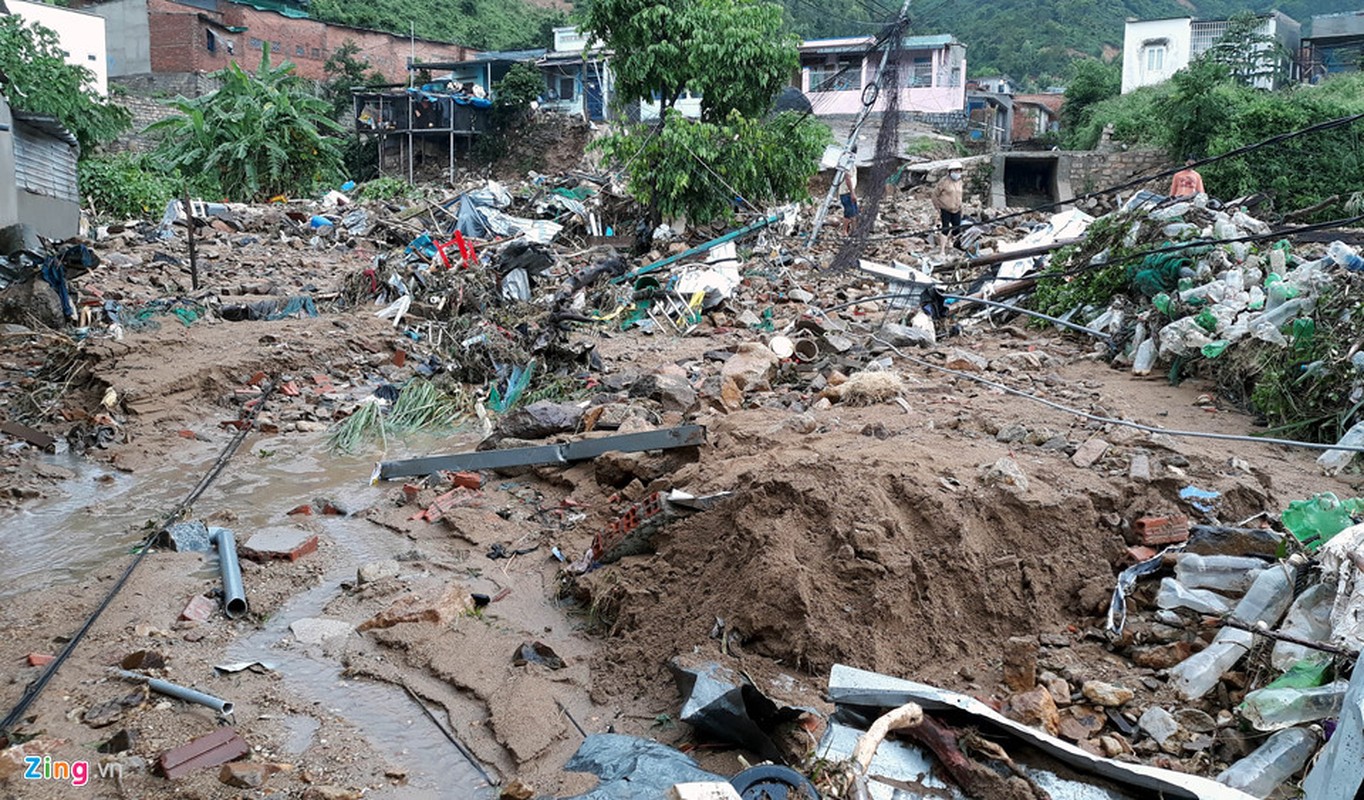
[537, 653]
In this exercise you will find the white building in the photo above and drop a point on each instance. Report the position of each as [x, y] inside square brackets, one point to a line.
[1154, 50]
[81, 35]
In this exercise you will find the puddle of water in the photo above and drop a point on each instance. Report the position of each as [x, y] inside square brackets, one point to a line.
[93, 518]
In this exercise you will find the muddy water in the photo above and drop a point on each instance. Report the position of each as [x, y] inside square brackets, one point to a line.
[93, 517]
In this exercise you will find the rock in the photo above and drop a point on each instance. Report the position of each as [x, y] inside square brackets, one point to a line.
[904, 336]
[1035, 708]
[800, 296]
[1114, 746]
[801, 423]
[1020, 663]
[1006, 474]
[1161, 656]
[143, 660]
[326, 792]
[1060, 691]
[314, 630]
[1140, 468]
[1013, 432]
[517, 790]
[540, 419]
[1089, 453]
[966, 361]
[1080, 723]
[376, 571]
[674, 393]
[1106, 694]
[122, 260]
[1159, 724]
[243, 774]
[751, 368]
[1195, 720]
[440, 608]
[285, 544]
[121, 741]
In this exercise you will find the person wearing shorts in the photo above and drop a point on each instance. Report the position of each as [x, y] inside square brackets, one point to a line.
[848, 197]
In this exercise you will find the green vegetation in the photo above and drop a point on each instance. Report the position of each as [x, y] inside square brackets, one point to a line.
[346, 71]
[484, 24]
[256, 136]
[1091, 82]
[129, 185]
[421, 405]
[36, 78]
[731, 51]
[386, 188]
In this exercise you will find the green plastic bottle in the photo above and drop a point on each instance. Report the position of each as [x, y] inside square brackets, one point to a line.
[1214, 349]
[1314, 521]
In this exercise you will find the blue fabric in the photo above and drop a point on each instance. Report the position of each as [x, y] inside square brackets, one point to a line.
[849, 205]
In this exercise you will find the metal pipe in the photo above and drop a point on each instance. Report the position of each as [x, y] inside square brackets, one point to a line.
[223, 707]
[234, 594]
[699, 249]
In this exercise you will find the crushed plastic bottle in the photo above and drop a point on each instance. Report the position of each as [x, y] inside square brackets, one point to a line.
[1345, 256]
[1272, 763]
[1174, 594]
[1266, 601]
[1333, 461]
[1308, 618]
[1314, 521]
[1214, 349]
[1230, 574]
[1274, 709]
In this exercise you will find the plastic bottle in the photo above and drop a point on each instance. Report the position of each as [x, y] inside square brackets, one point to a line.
[1145, 358]
[1308, 618]
[1333, 461]
[1345, 256]
[1214, 349]
[1278, 315]
[1272, 763]
[1232, 574]
[1275, 709]
[1174, 594]
[1278, 260]
[1316, 520]
[1257, 299]
[1266, 601]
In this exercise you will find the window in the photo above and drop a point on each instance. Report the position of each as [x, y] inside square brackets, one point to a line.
[211, 41]
[91, 57]
[255, 44]
[1155, 58]
[842, 75]
[565, 87]
[920, 72]
[299, 52]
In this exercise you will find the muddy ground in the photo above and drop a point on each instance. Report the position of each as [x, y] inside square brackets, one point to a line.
[876, 536]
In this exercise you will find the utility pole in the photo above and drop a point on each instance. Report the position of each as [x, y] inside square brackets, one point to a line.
[867, 104]
[189, 232]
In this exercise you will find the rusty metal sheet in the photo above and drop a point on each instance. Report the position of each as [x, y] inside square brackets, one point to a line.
[219, 747]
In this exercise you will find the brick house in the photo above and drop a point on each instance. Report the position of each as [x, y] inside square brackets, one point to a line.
[167, 37]
[1036, 115]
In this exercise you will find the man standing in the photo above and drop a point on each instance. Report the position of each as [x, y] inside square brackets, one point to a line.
[848, 191]
[947, 198]
[1187, 182]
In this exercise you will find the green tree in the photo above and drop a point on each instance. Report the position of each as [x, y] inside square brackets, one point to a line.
[37, 79]
[344, 71]
[1200, 104]
[1091, 82]
[731, 52]
[257, 135]
[1250, 55]
[513, 94]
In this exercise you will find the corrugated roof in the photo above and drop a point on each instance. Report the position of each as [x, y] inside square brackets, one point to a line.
[848, 44]
[49, 125]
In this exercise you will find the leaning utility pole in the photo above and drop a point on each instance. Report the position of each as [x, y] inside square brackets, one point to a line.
[870, 94]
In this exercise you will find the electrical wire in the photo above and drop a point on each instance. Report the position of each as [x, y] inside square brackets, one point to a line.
[1134, 182]
[36, 688]
[1226, 437]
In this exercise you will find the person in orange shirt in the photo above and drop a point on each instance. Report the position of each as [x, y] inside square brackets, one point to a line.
[1187, 182]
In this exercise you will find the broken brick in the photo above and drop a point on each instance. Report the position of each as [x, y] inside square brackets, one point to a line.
[467, 480]
[399, 358]
[304, 509]
[284, 544]
[1162, 530]
[219, 747]
[257, 379]
[200, 608]
[40, 659]
[289, 389]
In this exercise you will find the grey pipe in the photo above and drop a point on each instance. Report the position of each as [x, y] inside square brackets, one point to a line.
[234, 595]
[223, 707]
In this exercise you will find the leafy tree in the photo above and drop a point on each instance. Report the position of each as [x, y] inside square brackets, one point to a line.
[696, 168]
[37, 79]
[344, 72]
[257, 135]
[1092, 81]
[731, 52]
[1199, 105]
[513, 94]
[1249, 54]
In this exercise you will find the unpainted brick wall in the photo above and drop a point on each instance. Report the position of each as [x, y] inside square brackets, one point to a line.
[1093, 169]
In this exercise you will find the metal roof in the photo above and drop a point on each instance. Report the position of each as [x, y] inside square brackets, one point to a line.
[49, 125]
[850, 44]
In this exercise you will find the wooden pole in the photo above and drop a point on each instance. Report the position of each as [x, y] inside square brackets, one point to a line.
[189, 231]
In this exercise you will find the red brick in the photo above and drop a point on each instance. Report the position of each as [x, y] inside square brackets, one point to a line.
[257, 379]
[200, 608]
[40, 659]
[1171, 529]
[468, 480]
[399, 358]
[289, 389]
[304, 509]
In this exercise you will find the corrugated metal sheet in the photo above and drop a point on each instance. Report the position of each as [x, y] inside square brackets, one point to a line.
[44, 165]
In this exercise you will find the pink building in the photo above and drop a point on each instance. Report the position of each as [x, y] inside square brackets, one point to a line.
[932, 74]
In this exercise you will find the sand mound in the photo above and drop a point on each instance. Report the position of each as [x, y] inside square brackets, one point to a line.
[822, 564]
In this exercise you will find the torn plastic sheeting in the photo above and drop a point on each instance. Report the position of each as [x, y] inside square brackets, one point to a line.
[727, 708]
[1117, 607]
[850, 686]
[1342, 562]
[717, 282]
[1070, 224]
[904, 281]
[1339, 769]
[630, 768]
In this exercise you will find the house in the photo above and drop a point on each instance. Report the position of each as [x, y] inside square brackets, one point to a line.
[1036, 115]
[834, 73]
[483, 70]
[178, 37]
[1336, 45]
[38, 174]
[577, 76]
[81, 35]
[995, 84]
[1154, 50]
